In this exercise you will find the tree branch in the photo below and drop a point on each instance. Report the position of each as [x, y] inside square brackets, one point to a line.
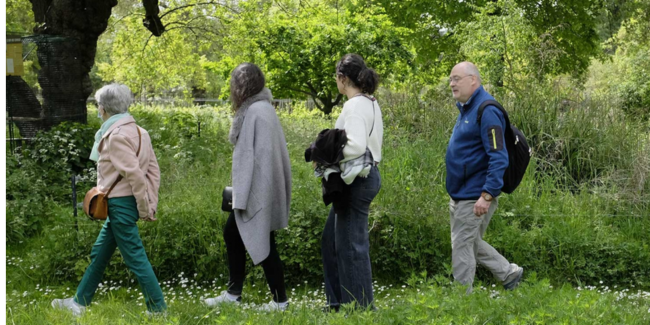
[314, 94]
[198, 4]
[122, 18]
[313, 90]
[192, 28]
[338, 99]
[146, 43]
[302, 91]
[152, 20]
[320, 108]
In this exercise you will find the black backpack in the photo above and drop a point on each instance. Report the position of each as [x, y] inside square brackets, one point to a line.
[518, 150]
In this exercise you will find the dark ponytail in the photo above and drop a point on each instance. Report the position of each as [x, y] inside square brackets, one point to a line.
[354, 68]
[368, 80]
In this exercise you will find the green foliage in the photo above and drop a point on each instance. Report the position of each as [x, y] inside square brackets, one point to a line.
[65, 148]
[550, 38]
[580, 216]
[582, 191]
[631, 57]
[625, 75]
[20, 18]
[175, 63]
[28, 202]
[299, 53]
[39, 176]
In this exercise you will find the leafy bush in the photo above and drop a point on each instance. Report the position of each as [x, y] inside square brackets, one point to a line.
[41, 174]
[27, 201]
[583, 234]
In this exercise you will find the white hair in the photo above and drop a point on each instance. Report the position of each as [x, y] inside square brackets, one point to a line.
[114, 98]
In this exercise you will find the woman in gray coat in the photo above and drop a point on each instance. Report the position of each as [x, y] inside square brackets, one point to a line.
[261, 175]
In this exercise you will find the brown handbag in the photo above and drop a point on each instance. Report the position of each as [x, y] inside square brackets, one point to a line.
[96, 201]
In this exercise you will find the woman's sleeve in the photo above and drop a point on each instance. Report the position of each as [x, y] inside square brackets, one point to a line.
[153, 181]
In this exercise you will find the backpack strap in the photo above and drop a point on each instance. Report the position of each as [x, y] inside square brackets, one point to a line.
[496, 104]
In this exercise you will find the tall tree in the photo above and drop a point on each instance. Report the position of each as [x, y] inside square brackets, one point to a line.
[567, 26]
[66, 51]
[179, 59]
[299, 43]
[66, 33]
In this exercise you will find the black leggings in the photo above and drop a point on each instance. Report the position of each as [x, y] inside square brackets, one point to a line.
[272, 265]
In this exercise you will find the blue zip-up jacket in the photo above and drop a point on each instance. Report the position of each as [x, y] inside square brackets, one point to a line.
[476, 156]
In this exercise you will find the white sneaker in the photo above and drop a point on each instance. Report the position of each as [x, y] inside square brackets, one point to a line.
[275, 306]
[70, 305]
[156, 314]
[224, 297]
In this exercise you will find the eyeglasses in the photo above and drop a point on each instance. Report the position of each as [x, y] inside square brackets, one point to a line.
[456, 79]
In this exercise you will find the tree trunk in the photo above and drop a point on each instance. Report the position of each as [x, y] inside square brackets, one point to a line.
[328, 103]
[68, 31]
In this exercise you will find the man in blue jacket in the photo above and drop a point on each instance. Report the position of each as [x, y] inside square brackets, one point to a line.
[476, 160]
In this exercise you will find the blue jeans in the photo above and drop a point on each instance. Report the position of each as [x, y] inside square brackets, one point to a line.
[345, 246]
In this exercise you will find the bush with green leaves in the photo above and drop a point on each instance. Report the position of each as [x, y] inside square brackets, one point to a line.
[591, 230]
[39, 176]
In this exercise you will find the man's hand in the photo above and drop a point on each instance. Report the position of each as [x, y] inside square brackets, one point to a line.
[481, 207]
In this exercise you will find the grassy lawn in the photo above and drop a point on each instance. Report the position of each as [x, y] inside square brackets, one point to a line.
[428, 302]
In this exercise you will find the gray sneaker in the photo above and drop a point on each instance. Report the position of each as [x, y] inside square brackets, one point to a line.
[514, 278]
[70, 305]
[224, 297]
[274, 306]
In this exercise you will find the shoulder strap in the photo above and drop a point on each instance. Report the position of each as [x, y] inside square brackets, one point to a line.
[373, 100]
[494, 103]
[137, 153]
[373, 118]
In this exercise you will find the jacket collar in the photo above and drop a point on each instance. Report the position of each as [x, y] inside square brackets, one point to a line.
[120, 122]
[238, 120]
[468, 104]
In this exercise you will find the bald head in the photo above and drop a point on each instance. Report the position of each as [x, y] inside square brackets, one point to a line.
[464, 79]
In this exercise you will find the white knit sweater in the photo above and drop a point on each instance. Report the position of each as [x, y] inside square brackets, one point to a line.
[357, 120]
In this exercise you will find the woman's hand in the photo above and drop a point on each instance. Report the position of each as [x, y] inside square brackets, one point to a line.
[151, 217]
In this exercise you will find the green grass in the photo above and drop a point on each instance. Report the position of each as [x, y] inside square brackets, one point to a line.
[580, 217]
[433, 302]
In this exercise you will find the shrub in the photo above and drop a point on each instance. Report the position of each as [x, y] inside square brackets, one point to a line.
[587, 233]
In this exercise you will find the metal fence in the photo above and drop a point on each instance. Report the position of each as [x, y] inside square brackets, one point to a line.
[280, 104]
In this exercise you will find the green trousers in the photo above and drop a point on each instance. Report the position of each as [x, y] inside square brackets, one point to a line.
[121, 231]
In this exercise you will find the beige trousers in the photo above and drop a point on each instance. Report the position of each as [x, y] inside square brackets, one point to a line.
[468, 246]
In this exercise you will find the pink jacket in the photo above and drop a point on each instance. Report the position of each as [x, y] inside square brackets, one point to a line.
[141, 175]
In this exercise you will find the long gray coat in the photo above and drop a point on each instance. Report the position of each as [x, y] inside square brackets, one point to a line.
[261, 174]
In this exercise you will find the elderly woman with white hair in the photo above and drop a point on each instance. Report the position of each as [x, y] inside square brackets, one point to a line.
[126, 163]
